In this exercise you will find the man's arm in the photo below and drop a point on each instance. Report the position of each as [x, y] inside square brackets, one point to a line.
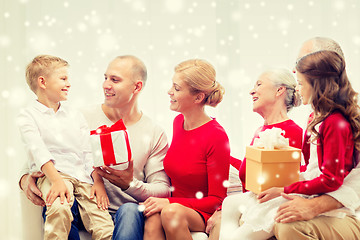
[28, 185]
[155, 182]
[298, 208]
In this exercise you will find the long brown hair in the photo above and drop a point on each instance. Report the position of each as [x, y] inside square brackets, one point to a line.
[332, 90]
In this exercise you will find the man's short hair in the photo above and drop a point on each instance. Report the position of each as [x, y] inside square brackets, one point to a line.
[323, 43]
[138, 67]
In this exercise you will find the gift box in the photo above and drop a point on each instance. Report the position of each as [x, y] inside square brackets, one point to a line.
[110, 145]
[266, 168]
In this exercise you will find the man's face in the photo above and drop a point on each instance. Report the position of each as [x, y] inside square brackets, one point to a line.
[119, 85]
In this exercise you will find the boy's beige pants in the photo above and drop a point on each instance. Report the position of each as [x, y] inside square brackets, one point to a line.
[97, 222]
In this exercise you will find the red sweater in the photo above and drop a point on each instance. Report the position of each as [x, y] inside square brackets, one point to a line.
[334, 150]
[292, 131]
[197, 163]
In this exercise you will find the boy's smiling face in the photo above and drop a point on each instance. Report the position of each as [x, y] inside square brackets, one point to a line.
[57, 84]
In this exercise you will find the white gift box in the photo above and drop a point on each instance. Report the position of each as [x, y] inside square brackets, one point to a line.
[110, 145]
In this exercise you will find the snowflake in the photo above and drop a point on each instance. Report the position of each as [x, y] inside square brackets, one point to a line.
[261, 180]
[5, 94]
[10, 152]
[141, 208]
[174, 6]
[82, 27]
[4, 41]
[174, 223]
[242, 208]
[295, 155]
[226, 184]
[339, 5]
[199, 195]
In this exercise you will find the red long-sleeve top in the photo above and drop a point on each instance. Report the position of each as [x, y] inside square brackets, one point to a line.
[335, 156]
[197, 163]
[292, 131]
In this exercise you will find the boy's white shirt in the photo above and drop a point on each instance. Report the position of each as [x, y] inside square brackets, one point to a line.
[61, 137]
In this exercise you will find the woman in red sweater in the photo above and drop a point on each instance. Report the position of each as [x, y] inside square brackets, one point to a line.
[330, 147]
[197, 161]
[273, 97]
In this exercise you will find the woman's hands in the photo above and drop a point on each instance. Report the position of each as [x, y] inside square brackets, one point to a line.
[270, 194]
[154, 205]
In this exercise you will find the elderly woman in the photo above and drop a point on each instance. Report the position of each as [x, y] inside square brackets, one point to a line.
[273, 97]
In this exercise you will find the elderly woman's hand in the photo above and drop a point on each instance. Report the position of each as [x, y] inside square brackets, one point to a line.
[270, 194]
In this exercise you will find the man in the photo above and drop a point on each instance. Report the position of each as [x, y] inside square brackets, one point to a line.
[125, 77]
[299, 218]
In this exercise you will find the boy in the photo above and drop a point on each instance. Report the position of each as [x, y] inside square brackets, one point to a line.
[56, 141]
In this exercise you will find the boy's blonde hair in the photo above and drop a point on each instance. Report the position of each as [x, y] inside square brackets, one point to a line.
[42, 65]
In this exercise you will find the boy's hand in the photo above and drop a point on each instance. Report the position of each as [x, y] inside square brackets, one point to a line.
[102, 199]
[120, 178]
[58, 189]
[270, 194]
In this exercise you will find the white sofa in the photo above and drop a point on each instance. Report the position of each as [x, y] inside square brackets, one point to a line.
[32, 222]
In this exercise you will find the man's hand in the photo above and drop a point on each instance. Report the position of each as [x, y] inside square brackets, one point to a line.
[212, 221]
[297, 209]
[120, 178]
[154, 205]
[32, 192]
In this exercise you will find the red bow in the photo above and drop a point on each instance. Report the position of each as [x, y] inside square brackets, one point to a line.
[106, 141]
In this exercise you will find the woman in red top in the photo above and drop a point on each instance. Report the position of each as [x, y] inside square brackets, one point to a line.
[197, 161]
[273, 96]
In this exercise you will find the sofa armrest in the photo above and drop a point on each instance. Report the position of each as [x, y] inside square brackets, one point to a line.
[32, 222]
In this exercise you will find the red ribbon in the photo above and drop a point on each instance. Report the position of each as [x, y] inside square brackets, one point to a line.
[106, 141]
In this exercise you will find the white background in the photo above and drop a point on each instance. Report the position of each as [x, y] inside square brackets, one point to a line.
[240, 38]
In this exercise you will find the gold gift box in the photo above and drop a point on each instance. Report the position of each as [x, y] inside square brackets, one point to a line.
[271, 168]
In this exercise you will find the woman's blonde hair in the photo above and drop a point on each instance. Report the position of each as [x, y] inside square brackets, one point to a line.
[200, 76]
[283, 77]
